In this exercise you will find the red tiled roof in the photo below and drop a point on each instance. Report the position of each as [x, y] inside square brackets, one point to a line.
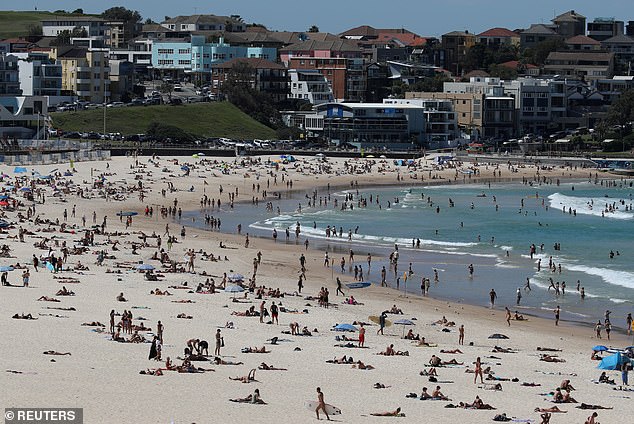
[514, 64]
[582, 39]
[407, 39]
[498, 32]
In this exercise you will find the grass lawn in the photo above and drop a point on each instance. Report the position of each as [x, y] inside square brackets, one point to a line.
[220, 119]
[16, 23]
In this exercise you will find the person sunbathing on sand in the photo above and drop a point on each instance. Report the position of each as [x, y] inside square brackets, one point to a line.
[264, 366]
[560, 397]
[220, 361]
[157, 372]
[549, 358]
[360, 365]
[589, 406]
[64, 292]
[450, 351]
[27, 316]
[93, 324]
[48, 299]
[498, 349]
[389, 351]
[120, 298]
[54, 352]
[478, 404]
[249, 378]
[342, 360]
[437, 362]
[431, 372]
[254, 398]
[551, 409]
[184, 316]
[255, 350]
[395, 413]
[518, 317]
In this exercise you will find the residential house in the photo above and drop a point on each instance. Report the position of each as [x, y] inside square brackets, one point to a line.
[15, 45]
[612, 88]
[467, 108]
[570, 24]
[455, 45]
[524, 69]
[121, 79]
[581, 42]
[587, 65]
[194, 23]
[85, 73]
[265, 76]
[603, 28]
[309, 85]
[537, 33]
[498, 37]
[629, 29]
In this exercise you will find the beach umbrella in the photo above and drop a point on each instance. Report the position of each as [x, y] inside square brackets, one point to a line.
[50, 266]
[599, 348]
[145, 267]
[127, 213]
[3, 223]
[25, 189]
[4, 203]
[404, 322]
[185, 168]
[613, 362]
[345, 327]
[3, 197]
[234, 288]
[19, 170]
[236, 277]
[201, 154]
[6, 268]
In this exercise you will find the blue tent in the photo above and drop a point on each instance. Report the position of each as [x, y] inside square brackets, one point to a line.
[345, 327]
[613, 362]
[19, 170]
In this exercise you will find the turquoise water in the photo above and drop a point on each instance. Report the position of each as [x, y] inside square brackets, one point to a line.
[487, 226]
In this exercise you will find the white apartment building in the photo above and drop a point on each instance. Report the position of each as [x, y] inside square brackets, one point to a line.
[310, 85]
[39, 75]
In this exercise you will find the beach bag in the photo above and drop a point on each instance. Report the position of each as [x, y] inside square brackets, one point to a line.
[222, 342]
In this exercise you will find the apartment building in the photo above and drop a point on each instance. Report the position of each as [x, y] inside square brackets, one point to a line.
[441, 128]
[265, 76]
[537, 33]
[85, 73]
[9, 75]
[39, 75]
[603, 28]
[569, 24]
[498, 37]
[309, 85]
[194, 23]
[195, 54]
[94, 26]
[588, 65]
[455, 45]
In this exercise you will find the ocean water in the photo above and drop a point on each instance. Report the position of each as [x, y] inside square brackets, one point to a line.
[489, 226]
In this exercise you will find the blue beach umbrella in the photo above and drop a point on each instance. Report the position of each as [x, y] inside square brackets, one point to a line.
[234, 288]
[345, 327]
[613, 362]
[236, 277]
[25, 189]
[599, 348]
[19, 170]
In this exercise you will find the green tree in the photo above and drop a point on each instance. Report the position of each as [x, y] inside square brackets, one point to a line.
[313, 28]
[167, 88]
[540, 52]
[78, 11]
[621, 113]
[502, 72]
[64, 37]
[35, 30]
[130, 18]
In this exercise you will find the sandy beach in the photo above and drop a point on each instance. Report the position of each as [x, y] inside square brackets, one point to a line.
[103, 376]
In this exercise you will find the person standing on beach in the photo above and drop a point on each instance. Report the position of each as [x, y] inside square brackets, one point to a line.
[597, 329]
[219, 343]
[381, 322]
[493, 295]
[478, 371]
[557, 312]
[159, 331]
[383, 274]
[625, 368]
[361, 336]
[508, 315]
[519, 296]
[470, 267]
[628, 320]
[262, 309]
[461, 334]
[321, 404]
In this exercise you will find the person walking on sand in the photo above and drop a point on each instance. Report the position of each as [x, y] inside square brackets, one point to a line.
[557, 312]
[518, 296]
[321, 404]
[339, 288]
[381, 322]
[493, 295]
[508, 315]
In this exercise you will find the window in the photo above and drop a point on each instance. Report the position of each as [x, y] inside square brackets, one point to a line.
[184, 62]
[165, 51]
[184, 51]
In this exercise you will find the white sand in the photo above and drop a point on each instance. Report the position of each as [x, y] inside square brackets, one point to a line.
[103, 377]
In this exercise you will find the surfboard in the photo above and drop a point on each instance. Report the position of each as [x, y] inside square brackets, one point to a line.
[358, 285]
[375, 319]
[331, 410]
